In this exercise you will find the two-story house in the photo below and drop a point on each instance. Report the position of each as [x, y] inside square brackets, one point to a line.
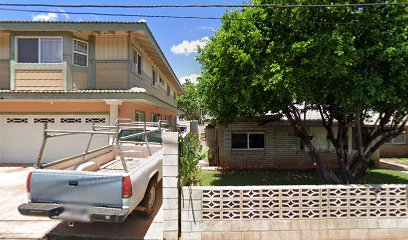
[73, 74]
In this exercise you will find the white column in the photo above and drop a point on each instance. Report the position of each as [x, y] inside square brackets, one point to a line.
[113, 114]
[113, 110]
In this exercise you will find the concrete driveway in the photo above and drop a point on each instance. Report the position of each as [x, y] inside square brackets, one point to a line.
[13, 193]
[15, 226]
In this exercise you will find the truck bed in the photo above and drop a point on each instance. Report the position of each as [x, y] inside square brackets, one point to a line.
[116, 166]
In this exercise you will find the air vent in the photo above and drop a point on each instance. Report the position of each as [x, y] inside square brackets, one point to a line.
[17, 120]
[95, 120]
[70, 120]
[44, 120]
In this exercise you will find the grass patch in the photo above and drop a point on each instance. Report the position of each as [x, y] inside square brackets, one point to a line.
[400, 161]
[291, 177]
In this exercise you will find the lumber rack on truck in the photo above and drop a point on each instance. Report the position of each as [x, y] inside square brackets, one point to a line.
[113, 131]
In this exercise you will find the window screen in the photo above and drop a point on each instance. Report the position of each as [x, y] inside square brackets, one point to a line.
[239, 141]
[27, 50]
[256, 140]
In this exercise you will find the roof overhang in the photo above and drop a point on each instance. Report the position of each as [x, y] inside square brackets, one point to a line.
[138, 94]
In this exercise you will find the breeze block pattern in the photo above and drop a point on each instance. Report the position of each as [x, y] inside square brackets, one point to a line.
[294, 212]
[304, 202]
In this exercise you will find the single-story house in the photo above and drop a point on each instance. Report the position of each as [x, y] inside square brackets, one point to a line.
[270, 142]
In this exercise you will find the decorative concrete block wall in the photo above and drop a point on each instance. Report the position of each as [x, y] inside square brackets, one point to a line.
[170, 185]
[295, 212]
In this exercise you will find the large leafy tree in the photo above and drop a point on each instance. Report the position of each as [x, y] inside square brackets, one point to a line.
[350, 63]
[190, 103]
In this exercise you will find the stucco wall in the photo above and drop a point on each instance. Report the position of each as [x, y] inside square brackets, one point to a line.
[128, 110]
[53, 107]
[295, 212]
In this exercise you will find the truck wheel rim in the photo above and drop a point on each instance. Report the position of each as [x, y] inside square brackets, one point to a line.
[152, 197]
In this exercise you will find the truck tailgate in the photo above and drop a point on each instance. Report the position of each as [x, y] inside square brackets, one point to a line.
[88, 188]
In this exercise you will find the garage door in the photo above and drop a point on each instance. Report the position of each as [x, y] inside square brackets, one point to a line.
[21, 136]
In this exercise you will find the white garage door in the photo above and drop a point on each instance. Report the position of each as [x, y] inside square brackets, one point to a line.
[21, 136]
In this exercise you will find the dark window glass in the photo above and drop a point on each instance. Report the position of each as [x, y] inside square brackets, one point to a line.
[139, 64]
[79, 59]
[256, 141]
[239, 141]
[81, 47]
[168, 91]
[27, 50]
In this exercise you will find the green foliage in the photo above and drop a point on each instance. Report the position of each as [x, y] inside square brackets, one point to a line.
[350, 57]
[190, 103]
[346, 62]
[191, 152]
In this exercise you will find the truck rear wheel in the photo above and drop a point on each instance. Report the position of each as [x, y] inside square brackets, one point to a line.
[150, 197]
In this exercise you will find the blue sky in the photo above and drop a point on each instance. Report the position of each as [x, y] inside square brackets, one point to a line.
[168, 32]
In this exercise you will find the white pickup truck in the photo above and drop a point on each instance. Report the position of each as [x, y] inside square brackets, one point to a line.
[102, 185]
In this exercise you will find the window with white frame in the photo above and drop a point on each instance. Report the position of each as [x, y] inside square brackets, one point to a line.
[80, 53]
[400, 139]
[248, 141]
[168, 90]
[39, 49]
[137, 62]
[174, 96]
[161, 80]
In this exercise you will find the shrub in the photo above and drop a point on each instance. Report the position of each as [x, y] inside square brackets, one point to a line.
[191, 152]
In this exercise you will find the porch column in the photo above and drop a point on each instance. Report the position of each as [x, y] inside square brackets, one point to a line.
[113, 114]
[113, 110]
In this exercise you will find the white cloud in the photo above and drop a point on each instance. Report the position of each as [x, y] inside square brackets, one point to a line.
[45, 17]
[205, 28]
[65, 14]
[188, 47]
[192, 78]
[142, 20]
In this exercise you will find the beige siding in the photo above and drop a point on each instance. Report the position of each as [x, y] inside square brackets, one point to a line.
[4, 75]
[111, 48]
[111, 75]
[79, 80]
[38, 80]
[155, 91]
[4, 46]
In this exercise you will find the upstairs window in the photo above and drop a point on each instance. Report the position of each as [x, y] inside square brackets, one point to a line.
[168, 90]
[174, 96]
[80, 53]
[248, 141]
[137, 62]
[154, 77]
[161, 80]
[39, 50]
